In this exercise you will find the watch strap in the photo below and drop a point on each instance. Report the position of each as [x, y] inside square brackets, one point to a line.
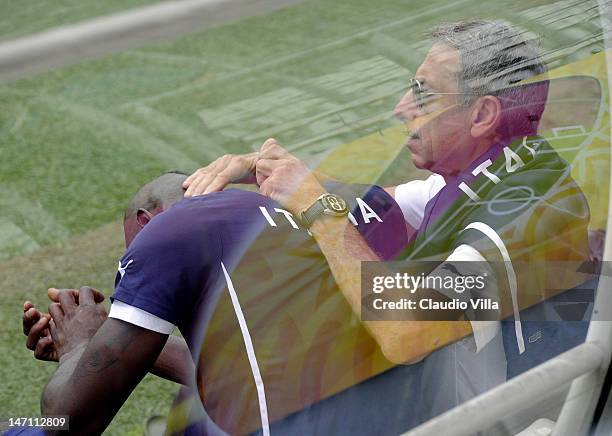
[312, 213]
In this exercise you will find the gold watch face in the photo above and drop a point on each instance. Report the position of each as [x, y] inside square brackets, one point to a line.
[334, 205]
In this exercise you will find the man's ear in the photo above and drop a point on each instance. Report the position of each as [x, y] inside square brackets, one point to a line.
[486, 116]
[143, 217]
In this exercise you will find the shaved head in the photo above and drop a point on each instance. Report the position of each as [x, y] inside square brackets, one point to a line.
[161, 192]
[153, 198]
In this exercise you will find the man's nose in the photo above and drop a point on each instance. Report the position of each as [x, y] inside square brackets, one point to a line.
[406, 109]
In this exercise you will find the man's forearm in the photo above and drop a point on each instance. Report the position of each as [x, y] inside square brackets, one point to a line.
[52, 393]
[400, 341]
[287, 180]
[93, 381]
[345, 249]
[175, 362]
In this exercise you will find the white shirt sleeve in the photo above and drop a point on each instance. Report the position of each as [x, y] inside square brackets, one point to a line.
[484, 331]
[412, 197]
[139, 317]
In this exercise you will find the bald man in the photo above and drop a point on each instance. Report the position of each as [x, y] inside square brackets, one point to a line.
[252, 295]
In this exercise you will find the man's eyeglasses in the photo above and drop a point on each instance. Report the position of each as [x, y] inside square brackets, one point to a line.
[422, 96]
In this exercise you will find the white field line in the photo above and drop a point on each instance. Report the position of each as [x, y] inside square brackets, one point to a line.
[23, 113]
[40, 225]
[14, 241]
[70, 44]
[194, 86]
[129, 132]
[167, 57]
[280, 60]
[351, 125]
[365, 122]
[394, 49]
[198, 143]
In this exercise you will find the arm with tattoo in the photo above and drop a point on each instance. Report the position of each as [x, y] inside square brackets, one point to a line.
[174, 362]
[94, 379]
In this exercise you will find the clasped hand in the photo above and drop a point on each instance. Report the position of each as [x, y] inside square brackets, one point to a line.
[74, 317]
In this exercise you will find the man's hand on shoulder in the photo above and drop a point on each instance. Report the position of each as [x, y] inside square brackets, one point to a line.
[285, 179]
[216, 176]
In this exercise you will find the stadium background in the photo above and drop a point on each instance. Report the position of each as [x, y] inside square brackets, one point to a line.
[78, 141]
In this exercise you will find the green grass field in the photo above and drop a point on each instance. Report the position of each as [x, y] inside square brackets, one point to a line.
[77, 142]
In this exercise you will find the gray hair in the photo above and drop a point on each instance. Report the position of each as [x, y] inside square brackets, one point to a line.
[494, 56]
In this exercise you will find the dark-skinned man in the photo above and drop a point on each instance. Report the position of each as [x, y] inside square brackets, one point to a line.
[174, 363]
[250, 292]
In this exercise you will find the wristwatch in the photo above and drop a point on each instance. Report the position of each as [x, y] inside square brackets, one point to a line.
[326, 204]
